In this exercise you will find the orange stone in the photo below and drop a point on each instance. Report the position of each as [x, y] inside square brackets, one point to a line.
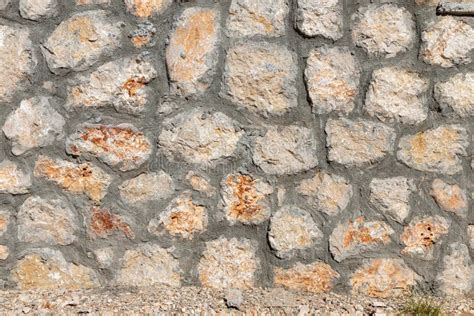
[317, 277]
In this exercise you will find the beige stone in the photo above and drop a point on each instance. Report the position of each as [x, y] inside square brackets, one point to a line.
[470, 235]
[200, 183]
[147, 8]
[5, 220]
[90, 2]
[457, 276]
[4, 252]
[457, 94]
[147, 187]
[320, 18]
[450, 197]
[13, 180]
[38, 9]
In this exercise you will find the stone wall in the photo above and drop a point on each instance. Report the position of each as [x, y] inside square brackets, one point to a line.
[317, 145]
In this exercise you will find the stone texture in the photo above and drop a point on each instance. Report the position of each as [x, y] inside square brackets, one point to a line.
[90, 2]
[317, 277]
[435, 150]
[261, 77]
[35, 123]
[81, 41]
[384, 30]
[4, 4]
[285, 150]
[192, 53]
[292, 229]
[228, 263]
[38, 9]
[332, 79]
[200, 183]
[422, 234]
[4, 252]
[121, 146]
[147, 8]
[13, 180]
[144, 35]
[5, 220]
[147, 187]
[320, 18]
[397, 95]
[447, 42]
[358, 142]
[450, 197]
[470, 235]
[457, 94]
[457, 276]
[102, 224]
[246, 199]
[358, 237]
[104, 257]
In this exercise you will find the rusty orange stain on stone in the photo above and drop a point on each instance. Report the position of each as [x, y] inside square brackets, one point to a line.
[146, 8]
[362, 235]
[133, 85]
[315, 278]
[246, 207]
[140, 40]
[103, 223]
[82, 27]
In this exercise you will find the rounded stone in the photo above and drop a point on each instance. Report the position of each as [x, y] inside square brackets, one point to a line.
[320, 18]
[5, 221]
[101, 223]
[4, 252]
[147, 8]
[38, 9]
[457, 276]
[200, 183]
[450, 197]
[13, 180]
[456, 94]
[147, 187]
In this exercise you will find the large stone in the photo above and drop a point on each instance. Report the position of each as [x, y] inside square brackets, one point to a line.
[357, 237]
[358, 142]
[450, 197]
[457, 276]
[38, 9]
[332, 78]
[122, 146]
[285, 150]
[246, 199]
[317, 277]
[228, 263]
[147, 187]
[5, 221]
[384, 30]
[200, 183]
[147, 8]
[435, 150]
[199, 137]
[81, 41]
[292, 229]
[457, 94]
[261, 77]
[49, 221]
[193, 51]
[320, 18]
[102, 224]
[34, 124]
[82, 178]
[12, 179]
[447, 42]
[397, 95]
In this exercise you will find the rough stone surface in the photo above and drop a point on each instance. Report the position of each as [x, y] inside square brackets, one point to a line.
[104, 257]
[5, 220]
[147, 187]
[457, 94]
[13, 180]
[457, 276]
[4, 252]
[38, 9]
[470, 235]
[233, 298]
[4, 4]
[320, 18]
[200, 183]
[147, 8]
[91, 2]
[450, 197]
[144, 35]
[102, 224]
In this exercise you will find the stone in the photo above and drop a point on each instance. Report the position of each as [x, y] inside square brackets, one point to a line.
[391, 196]
[438, 150]
[200, 183]
[4, 4]
[456, 94]
[38, 9]
[246, 199]
[326, 192]
[123, 83]
[121, 146]
[397, 95]
[450, 197]
[102, 224]
[19, 61]
[384, 278]
[261, 77]
[84, 178]
[249, 18]
[199, 137]
[317, 277]
[81, 41]
[427, 2]
[147, 187]
[457, 276]
[228, 263]
[49, 221]
[4, 252]
[292, 229]
[35, 123]
[147, 8]
[332, 78]
[104, 256]
[233, 298]
[357, 237]
[422, 234]
[48, 269]
[5, 220]
[384, 30]
[13, 180]
[447, 42]
[358, 142]
[193, 51]
[144, 35]
[90, 2]
[470, 235]
[285, 150]
[320, 18]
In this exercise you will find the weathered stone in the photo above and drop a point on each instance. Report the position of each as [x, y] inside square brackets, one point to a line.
[233, 298]
[89, 2]
[50, 221]
[285, 150]
[397, 95]
[12, 179]
[147, 187]
[391, 196]
[228, 264]
[384, 278]
[470, 235]
[246, 199]
[192, 53]
[104, 256]
[102, 224]
[292, 229]
[200, 183]
[199, 137]
[427, 2]
[450, 197]
[34, 124]
[261, 77]
[147, 8]
[457, 276]
[4, 252]
[5, 220]
[38, 9]
[82, 178]
[257, 17]
[358, 236]
[4, 4]
[332, 78]
[144, 35]
[457, 94]
[81, 41]
[320, 18]
[358, 142]
[47, 269]
[384, 30]
[123, 84]
[435, 150]
[421, 235]
[121, 146]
